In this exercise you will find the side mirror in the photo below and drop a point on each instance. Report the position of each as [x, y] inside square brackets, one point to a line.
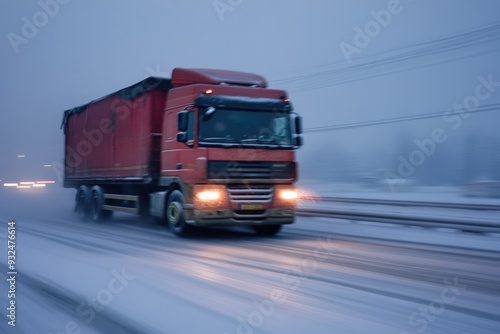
[298, 125]
[299, 141]
[182, 137]
[182, 121]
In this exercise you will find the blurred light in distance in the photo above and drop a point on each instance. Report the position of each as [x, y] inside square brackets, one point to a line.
[21, 155]
[39, 185]
[26, 183]
[47, 166]
[46, 182]
[10, 184]
[23, 187]
[209, 91]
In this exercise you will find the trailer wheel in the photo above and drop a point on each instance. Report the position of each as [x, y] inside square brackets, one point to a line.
[97, 212]
[174, 214]
[266, 230]
[82, 202]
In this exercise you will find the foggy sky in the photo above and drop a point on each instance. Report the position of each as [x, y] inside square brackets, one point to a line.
[91, 48]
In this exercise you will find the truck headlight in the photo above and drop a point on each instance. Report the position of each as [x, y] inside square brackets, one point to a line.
[288, 194]
[285, 196]
[210, 196]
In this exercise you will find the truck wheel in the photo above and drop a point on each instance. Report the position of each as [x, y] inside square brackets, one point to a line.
[266, 230]
[174, 214]
[82, 202]
[97, 212]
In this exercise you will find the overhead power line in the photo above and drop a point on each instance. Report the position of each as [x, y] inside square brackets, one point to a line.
[398, 60]
[490, 107]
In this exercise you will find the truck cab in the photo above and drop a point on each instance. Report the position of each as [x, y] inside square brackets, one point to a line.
[227, 152]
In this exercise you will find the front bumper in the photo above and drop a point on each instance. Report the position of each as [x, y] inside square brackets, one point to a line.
[233, 218]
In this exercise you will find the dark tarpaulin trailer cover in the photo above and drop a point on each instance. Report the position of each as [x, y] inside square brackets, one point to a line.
[118, 136]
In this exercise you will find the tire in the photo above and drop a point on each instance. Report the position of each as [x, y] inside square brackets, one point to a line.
[82, 202]
[174, 215]
[267, 230]
[96, 208]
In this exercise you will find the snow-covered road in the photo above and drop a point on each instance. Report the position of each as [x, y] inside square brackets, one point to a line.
[319, 275]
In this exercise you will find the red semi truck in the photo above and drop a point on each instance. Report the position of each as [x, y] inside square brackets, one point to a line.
[204, 148]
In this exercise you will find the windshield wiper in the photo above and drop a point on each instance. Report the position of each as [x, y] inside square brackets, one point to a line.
[220, 138]
[226, 142]
[261, 141]
[242, 142]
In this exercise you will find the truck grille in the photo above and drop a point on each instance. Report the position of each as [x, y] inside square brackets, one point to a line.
[250, 193]
[229, 170]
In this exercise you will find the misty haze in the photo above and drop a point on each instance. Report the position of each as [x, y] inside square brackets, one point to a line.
[233, 166]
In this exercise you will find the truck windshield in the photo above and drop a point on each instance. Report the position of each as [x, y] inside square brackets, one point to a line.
[229, 127]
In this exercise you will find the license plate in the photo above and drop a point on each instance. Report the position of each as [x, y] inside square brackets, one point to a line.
[251, 206]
